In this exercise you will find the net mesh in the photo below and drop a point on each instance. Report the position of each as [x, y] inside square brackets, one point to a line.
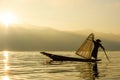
[85, 49]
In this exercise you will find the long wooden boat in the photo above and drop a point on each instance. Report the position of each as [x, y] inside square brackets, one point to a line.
[65, 58]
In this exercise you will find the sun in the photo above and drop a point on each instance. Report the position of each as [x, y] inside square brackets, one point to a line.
[7, 18]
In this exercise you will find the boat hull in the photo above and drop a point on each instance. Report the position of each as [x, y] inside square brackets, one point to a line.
[65, 58]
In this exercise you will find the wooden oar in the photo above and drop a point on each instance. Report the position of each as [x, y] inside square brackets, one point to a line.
[106, 55]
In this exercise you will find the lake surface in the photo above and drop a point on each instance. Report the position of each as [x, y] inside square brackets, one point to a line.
[35, 66]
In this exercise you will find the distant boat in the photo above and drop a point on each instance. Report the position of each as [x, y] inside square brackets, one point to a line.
[84, 51]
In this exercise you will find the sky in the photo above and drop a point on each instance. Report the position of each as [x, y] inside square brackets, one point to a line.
[98, 15]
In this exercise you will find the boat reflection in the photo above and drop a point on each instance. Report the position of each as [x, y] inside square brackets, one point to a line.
[95, 69]
[88, 71]
[6, 66]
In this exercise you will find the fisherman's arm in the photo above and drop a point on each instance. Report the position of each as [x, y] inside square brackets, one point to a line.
[102, 47]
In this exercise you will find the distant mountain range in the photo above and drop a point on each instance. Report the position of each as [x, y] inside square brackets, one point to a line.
[35, 38]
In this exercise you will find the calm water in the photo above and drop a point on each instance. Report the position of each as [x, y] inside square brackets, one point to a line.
[34, 66]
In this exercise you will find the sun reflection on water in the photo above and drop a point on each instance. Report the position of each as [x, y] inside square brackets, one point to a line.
[5, 54]
[6, 65]
[6, 78]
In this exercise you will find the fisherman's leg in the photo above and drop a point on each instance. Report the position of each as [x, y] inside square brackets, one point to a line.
[94, 56]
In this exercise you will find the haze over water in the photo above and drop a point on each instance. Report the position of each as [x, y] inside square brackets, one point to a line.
[33, 66]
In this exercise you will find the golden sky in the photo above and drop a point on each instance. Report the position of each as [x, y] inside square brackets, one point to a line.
[98, 15]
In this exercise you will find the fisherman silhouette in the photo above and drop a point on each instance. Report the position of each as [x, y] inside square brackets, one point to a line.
[97, 44]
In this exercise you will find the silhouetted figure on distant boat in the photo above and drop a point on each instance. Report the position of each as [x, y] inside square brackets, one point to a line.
[97, 44]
